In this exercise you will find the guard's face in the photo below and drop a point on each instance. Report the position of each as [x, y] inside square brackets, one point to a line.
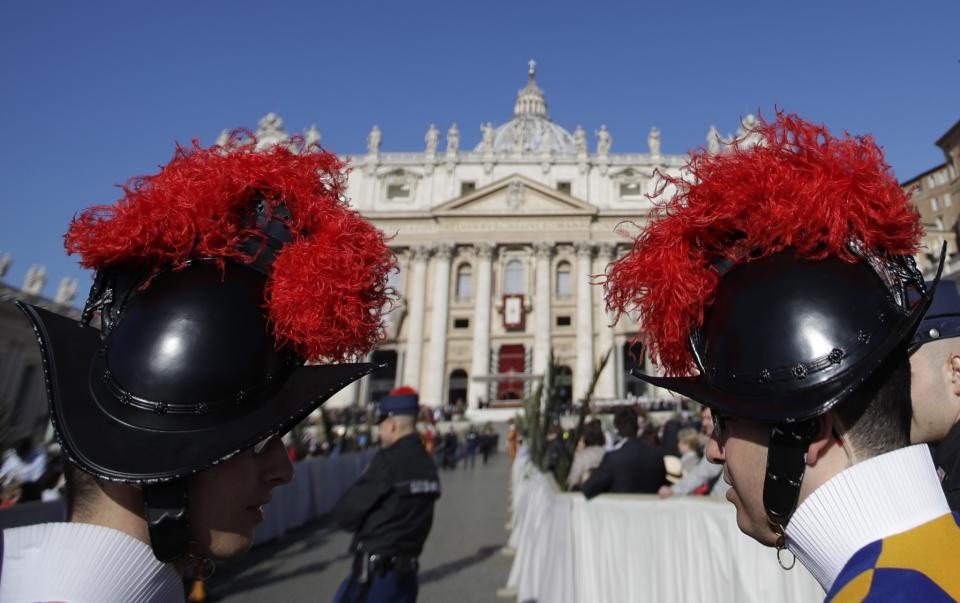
[226, 501]
[741, 446]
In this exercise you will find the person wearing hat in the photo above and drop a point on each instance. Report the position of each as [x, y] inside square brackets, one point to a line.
[774, 289]
[390, 508]
[218, 319]
[935, 387]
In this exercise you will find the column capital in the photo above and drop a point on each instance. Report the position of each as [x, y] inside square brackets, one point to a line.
[485, 249]
[544, 249]
[444, 251]
[421, 252]
[585, 248]
[606, 251]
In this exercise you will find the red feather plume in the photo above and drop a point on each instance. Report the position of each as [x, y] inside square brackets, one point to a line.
[327, 290]
[800, 187]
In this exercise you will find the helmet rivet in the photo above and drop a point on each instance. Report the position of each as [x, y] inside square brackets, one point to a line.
[934, 333]
[765, 376]
[800, 371]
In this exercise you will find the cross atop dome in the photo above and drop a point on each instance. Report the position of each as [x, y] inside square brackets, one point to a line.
[533, 68]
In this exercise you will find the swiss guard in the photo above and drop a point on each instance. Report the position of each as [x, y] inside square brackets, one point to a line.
[232, 290]
[774, 287]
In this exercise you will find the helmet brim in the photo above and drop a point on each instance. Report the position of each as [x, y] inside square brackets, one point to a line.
[100, 442]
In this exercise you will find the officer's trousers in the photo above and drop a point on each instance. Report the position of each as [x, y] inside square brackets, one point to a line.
[379, 589]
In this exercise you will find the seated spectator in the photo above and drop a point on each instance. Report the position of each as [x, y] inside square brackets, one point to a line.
[589, 453]
[688, 444]
[633, 466]
[556, 450]
[669, 435]
[705, 477]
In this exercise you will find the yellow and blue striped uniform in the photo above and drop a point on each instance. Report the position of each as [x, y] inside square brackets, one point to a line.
[921, 564]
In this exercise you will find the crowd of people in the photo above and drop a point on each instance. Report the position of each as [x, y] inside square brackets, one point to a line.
[635, 455]
[30, 473]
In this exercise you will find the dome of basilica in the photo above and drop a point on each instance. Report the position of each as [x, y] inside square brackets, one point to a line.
[530, 131]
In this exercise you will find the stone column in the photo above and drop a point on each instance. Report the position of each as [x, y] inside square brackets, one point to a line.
[583, 372]
[439, 316]
[480, 364]
[541, 308]
[417, 291]
[607, 386]
[618, 360]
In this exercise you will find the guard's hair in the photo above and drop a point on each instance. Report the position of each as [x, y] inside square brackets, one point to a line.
[625, 420]
[876, 417]
[82, 490]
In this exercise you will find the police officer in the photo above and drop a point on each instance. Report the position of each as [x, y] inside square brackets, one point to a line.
[390, 508]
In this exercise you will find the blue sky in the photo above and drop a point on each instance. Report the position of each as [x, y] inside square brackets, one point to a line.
[93, 93]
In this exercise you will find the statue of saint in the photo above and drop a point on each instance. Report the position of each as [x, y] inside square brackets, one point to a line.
[311, 138]
[67, 291]
[373, 140]
[604, 140]
[453, 139]
[35, 279]
[713, 140]
[653, 141]
[580, 140]
[487, 130]
[432, 139]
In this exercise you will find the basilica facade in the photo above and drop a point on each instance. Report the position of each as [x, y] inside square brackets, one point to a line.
[499, 247]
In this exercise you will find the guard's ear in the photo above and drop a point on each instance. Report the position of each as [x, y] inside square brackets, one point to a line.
[953, 366]
[823, 440]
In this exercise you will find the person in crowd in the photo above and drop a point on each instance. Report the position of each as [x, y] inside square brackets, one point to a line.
[451, 446]
[705, 477]
[216, 280]
[633, 466]
[25, 463]
[935, 387]
[775, 288]
[470, 443]
[556, 450]
[668, 435]
[513, 439]
[389, 509]
[488, 441]
[688, 444]
[589, 453]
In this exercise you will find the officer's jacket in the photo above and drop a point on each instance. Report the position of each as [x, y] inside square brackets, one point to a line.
[390, 507]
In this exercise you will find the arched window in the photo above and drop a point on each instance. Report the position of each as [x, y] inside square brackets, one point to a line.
[513, 277]
[564, 285]
[464, 282]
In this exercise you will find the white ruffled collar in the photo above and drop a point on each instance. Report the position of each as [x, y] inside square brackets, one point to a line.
[79, 562]
[873, 499]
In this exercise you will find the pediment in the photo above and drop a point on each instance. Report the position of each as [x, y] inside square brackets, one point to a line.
[515, 195]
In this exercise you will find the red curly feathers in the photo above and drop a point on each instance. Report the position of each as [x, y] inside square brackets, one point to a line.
[327, 290]
[800, 187]
[403, 390]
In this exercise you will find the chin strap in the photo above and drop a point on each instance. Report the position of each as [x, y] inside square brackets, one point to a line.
[165, 509]
[786, 463]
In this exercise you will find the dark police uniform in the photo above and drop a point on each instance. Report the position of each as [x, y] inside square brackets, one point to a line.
[390, 510]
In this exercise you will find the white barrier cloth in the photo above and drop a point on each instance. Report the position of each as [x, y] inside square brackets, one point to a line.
[639, 548]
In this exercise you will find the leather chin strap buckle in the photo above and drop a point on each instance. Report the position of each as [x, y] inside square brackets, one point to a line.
[165, 509]
[786, 464]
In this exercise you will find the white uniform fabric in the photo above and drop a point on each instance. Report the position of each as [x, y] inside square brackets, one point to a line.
[83, 563]
[876, 498]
